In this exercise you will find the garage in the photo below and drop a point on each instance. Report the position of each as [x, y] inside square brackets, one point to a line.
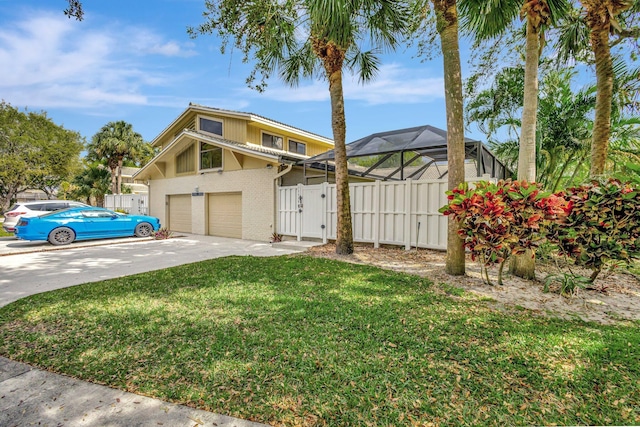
[180, 213]
[225, 215]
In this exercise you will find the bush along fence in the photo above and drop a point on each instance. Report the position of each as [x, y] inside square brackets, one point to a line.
[594, 225]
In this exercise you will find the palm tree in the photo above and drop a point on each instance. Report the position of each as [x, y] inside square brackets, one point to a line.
[91, 184]
[488, 19]
[446, 14]
[564, 122]
[601, 18]
[114, 143]
[307, 38]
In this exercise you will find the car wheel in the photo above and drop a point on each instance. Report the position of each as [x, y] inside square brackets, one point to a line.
[144, 229]
[62, 236]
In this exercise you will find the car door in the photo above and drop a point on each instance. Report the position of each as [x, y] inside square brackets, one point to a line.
[103, 223]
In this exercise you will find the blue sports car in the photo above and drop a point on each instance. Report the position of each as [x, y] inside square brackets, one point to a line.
[82, 223]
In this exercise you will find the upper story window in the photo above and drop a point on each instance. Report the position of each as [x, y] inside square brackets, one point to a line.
[185, 161]
[272, 141]
[297, 147]
[210, 156]
[211, 126]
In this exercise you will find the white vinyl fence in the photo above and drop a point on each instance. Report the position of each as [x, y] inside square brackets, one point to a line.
[136, 204]
[401, 213]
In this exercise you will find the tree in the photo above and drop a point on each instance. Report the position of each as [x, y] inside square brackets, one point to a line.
[91, 184]
[309, 38]
[564, 123]
[113, 144]
[447, 26]
[35, 153]
[75, 10]
[601, 19]
[487, 20]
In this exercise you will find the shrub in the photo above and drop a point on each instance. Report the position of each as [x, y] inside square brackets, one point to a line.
[568, 283]
[501, 219]
[601, 225]
[275, 238]
[162, 234]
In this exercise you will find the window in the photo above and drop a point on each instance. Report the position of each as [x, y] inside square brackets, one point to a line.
[210, 156]
[185, 161]
[297, 147]
[272, 141]
[211, 126]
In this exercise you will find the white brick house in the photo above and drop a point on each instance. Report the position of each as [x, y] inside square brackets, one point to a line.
[217, 171]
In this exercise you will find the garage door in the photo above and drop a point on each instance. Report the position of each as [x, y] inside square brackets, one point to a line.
[180, 213]
[225, 215]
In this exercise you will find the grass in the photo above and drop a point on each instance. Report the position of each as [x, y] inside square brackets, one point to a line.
[2, 232]
[304, 341]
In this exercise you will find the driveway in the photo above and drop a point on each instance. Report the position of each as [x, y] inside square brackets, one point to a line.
[32, 267]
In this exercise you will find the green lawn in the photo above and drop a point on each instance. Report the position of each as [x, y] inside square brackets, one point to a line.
[304, 341]
[4, 233]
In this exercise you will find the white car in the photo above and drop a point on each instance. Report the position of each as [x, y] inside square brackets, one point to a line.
[31, 209]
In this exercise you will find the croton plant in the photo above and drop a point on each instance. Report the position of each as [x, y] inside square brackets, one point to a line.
[593, 224]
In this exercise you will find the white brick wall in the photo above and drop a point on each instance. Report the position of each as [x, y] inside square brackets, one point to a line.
[258, 198]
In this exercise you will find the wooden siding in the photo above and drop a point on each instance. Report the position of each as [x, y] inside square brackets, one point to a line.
[254, 136]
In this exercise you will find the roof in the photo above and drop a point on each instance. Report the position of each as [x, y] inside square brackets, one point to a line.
[246, 148]
[245, 115]
[420, 138]
[426, 141]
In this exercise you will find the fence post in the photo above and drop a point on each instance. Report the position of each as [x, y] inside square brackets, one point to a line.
[299, 212]
[407, 213]
[376, 214]
[325, 213]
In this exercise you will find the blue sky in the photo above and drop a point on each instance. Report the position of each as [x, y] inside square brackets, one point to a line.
[133, 61]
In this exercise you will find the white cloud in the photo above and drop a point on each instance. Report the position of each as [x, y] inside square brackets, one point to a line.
[50, 61]
[394, 84]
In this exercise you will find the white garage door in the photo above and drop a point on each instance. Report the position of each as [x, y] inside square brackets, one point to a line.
[180, 213]
[225, 215]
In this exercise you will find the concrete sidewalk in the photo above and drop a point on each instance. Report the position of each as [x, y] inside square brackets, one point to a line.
[30, 396]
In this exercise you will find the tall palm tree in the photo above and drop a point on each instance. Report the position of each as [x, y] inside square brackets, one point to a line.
[115, 142]
[488, 19]
[447, 26]
[307, 38]
[601, 18]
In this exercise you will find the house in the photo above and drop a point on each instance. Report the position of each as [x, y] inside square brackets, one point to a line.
[217, 171]
[135, 185]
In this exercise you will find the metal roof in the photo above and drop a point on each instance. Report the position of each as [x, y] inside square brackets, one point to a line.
[426, 142]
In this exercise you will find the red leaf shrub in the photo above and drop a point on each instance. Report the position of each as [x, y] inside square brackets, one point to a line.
[500, 219]
[601, 224]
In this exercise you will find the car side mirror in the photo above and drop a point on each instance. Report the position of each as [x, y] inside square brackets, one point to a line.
[114, 216]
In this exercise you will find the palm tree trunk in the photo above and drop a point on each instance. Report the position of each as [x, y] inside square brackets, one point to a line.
[604, 94]
[447, 21]
[114, 180]
[524, 265]
[119, 181]
[344, 238]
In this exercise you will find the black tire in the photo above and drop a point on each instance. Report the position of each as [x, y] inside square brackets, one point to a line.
[144, 229]
[62, 236]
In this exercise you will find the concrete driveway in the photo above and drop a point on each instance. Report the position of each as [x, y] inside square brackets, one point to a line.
[32, 267]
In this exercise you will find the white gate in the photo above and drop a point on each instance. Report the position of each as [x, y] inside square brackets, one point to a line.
[401, 213]
[311, 207]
